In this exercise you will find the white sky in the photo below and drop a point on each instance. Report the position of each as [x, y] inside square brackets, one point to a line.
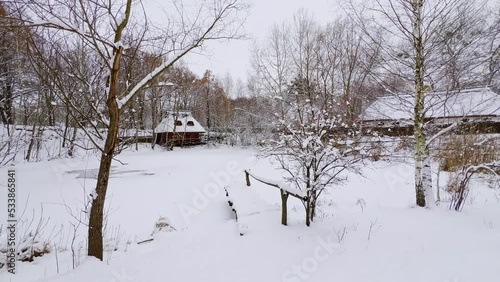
[234, 56]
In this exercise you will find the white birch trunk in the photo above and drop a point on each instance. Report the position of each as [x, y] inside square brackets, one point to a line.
[427, 181]
[419, 113]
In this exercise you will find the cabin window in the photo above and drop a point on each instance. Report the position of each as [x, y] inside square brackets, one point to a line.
[190, 123]
[178, 123]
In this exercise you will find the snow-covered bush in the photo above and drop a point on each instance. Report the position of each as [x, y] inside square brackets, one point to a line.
[28, 248]
[31, 247]
[162, 225]
[314, 145]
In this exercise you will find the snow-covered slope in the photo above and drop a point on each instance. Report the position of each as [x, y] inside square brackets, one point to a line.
[367, 230]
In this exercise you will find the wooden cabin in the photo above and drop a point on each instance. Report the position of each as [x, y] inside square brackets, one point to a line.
[477, 109]
[179, 129]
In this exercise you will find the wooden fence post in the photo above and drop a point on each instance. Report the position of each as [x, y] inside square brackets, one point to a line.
[247, 177]
[284, 198]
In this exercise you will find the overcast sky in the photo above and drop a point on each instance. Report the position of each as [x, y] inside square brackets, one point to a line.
[234, 56]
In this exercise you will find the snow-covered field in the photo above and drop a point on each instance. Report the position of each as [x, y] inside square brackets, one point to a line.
[366, 230]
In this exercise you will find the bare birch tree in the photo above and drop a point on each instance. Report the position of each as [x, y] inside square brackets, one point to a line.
[413, 54]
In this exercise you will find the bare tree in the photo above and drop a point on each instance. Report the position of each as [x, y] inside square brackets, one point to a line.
[271, 65]
[493, 48]
[103, 26]
[8, 75]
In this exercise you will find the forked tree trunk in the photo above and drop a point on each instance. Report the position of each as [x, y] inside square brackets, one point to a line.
[95, 236]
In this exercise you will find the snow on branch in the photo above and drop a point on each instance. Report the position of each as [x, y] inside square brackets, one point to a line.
[487, 139]
[177, 55]
[210, 33]
[440, 133]
[492, 166]
[59, 24]
[280, 185]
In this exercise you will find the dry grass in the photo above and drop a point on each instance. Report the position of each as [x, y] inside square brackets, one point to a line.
[458, 151]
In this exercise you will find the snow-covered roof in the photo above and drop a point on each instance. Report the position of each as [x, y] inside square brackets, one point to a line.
[463, 103]
[187, 123]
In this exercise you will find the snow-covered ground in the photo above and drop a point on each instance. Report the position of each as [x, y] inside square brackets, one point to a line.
[366, 230]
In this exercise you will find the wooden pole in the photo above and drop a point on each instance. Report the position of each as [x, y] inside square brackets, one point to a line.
[247, 175]
[284, 198]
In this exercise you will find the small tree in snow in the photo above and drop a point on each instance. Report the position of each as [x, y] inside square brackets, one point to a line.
[313, 145]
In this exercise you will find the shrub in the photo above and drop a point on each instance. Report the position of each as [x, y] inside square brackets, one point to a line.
[458, 185]
[163, 225]
[28, 248]
[458, 151]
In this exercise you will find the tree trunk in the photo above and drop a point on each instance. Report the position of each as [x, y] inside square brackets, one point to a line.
[32, 143]
[7, 91]
[38, 139]
[208, 110]
[427, 180]
[95, 238]
[419, 114]
[284, 208]
[313, 205]
[136, 134]
[50, 109]
[141, 112]
[419, 185]
[66, 124]
[95, 246]
[73, 139]
[308, 209]
[438, 192]
[6, 108]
